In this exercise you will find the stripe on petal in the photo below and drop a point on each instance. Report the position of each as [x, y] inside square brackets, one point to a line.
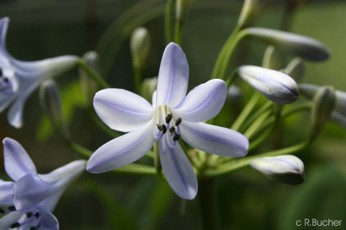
[173, 76]
[122, 110]
[214, 139]
[122, 150]
[178, 170]
[203, 102]
[17, 161]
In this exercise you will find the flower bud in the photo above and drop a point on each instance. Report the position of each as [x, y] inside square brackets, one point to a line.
[301, 46]
[250, 7]
[182, 9]
[51, 103]
[276, 86]
[89, 86]
[323, 105]
[148, 87]
[140, 46]
[287, 169]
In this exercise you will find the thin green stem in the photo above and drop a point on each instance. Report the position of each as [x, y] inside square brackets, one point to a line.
[246, 112]
[169, 15]
[178, 32]
[137, 71]
[136, 169]
[95, 76]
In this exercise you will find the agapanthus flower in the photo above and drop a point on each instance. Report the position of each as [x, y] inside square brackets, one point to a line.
[18, 79]
[28, 201]
[172, 116]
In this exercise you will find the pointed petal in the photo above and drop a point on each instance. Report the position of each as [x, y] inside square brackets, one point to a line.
[203, 102]
[178, 170]
[3, 31]
[214, 139]
[48, 221]
[6, 188]
[17, 161]
[173, 76]
[122, 110]
[122, 150]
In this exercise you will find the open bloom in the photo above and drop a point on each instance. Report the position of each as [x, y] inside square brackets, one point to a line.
[172, 116]
[287, 169]
[27, 202]
[274, 85]
[18, 79]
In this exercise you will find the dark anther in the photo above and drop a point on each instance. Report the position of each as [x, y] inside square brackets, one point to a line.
[15, 225]
[176, 137]
[159, 127]
[164, 129]
[178, 121]
[1, 72]
[37, 215]
[172, 129]
[12, 208]
[29, 214]
[169, 118]
[6, 80]
[33, 228]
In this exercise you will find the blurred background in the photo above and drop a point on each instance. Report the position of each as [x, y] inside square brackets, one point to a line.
[46, 28]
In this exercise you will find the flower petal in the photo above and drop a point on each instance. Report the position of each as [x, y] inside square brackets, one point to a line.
[178, 170]
[203, 102]
[122, 110]
[3, 31]
[6, 188]
[214, 139]
[122, 150]
[17, 161]
[9, 219]
[48, 221]
[173, 76]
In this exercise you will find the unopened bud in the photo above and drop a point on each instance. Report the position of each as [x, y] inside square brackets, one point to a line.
[148, 87]
[182, 9]
[275, 85]
[250, 7]
[301, 46]
[140, 46]
[324, 102]
[51, 103]
[89, 86]
[287, 169]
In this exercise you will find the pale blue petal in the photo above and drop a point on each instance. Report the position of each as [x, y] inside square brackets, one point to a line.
[173, 77]
[122, 110]
[214, 139]
[29, 191]
[178, 170]
[203, 102]
[10, 218]
[48, 221]
[3, 31]
[6, 191]
[122, 150]
[17, 161]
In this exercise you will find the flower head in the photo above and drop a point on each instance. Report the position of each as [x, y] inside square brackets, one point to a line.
[18, 79]
[28, 201]
[172, 116]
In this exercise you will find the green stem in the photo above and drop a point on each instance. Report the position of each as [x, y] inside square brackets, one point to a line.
[138, 78]
[239, 163]
[95, 76]
[178, 32]
[208, 204]
[136, 169]
[169, 15]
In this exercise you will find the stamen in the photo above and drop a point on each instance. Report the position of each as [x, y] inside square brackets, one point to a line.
[11, 208]
[29, 214]
[1, 72]
[172, 129]
[15, 225]
[37, 215]
[33, 228]
[178, 121]
[176, 137]
[159, 127]
[6, 80]
[169, 118]
[164, 129]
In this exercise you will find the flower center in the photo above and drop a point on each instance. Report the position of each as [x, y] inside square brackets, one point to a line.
[8, 83]
[31, 219]
[167, 125]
